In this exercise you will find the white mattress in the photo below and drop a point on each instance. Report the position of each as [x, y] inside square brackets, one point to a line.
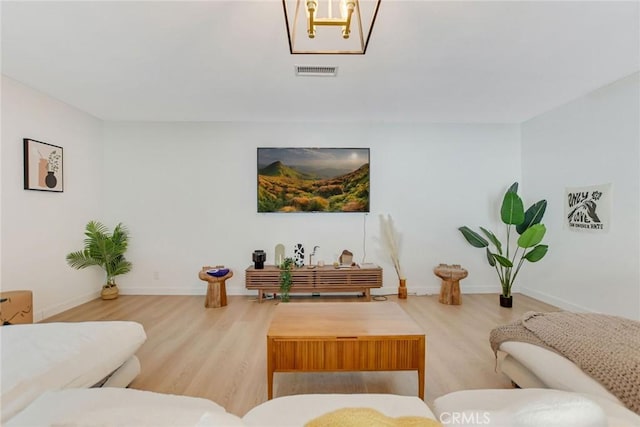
[51, 356]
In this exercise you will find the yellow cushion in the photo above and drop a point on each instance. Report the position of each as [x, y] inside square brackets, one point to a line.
[367, 417]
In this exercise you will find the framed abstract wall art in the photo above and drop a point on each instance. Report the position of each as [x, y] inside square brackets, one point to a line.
[43, 166]
[313, 179]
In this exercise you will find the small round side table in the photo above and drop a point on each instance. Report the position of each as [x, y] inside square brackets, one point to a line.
[216, 288]
[450, 288]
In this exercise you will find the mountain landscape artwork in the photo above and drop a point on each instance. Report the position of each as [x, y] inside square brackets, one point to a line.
[313, 179]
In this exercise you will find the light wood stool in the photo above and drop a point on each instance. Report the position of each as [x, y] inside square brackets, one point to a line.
[450, 288]
[216, 288]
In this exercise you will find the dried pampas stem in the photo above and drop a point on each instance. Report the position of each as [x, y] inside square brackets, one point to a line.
[391, 242]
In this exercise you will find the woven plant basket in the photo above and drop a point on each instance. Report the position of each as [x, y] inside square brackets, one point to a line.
[109, 292]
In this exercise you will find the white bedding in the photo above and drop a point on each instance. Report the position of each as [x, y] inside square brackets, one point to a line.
[51, 356]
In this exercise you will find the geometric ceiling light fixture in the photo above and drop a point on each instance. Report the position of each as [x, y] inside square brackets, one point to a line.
[329, 26]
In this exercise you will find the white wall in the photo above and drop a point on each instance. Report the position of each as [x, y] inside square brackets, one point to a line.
[39, 228]
[592, 140]
[187, 191]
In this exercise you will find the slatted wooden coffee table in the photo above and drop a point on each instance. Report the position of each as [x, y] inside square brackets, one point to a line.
[319, 337]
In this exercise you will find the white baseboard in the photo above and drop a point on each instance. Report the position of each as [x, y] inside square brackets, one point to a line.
[563, 304]
[435, 290]
[191, 290]
[416, 290]
[200, 290]
[59, 308]
[385, 290]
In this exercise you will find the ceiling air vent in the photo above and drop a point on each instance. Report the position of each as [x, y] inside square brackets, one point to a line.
[316, 70]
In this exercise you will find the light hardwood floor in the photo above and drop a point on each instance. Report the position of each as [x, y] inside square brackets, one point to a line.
[220, 353]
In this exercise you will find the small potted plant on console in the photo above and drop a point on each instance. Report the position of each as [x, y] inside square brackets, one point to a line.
[285, 278]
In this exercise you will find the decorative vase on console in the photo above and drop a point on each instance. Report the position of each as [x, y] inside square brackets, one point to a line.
[259, 257]
[298, 255]
[392, 244]
[279, 254]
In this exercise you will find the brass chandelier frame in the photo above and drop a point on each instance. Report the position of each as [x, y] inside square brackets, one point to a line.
[351, 24]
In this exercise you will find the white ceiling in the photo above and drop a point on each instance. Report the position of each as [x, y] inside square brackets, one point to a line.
[448, 61]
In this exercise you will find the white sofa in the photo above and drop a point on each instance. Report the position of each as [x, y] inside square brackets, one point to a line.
[128, 407]
[590, 354]
[50, 356]
[492, 408]
[532, 366]
[531, 407]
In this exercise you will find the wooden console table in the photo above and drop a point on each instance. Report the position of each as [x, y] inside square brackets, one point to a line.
[318, 279]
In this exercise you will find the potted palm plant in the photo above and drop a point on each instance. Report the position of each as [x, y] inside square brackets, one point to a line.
[508, 259]
[105, 250]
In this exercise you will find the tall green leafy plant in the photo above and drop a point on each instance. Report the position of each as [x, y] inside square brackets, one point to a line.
[508, 259]
[103, 249]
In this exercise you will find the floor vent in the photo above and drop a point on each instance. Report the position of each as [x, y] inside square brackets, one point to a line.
[316, 70]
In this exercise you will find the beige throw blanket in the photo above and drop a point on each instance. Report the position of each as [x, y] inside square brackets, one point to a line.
[607, 348]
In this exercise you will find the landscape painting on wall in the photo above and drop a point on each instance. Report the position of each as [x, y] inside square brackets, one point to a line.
[313, 179]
